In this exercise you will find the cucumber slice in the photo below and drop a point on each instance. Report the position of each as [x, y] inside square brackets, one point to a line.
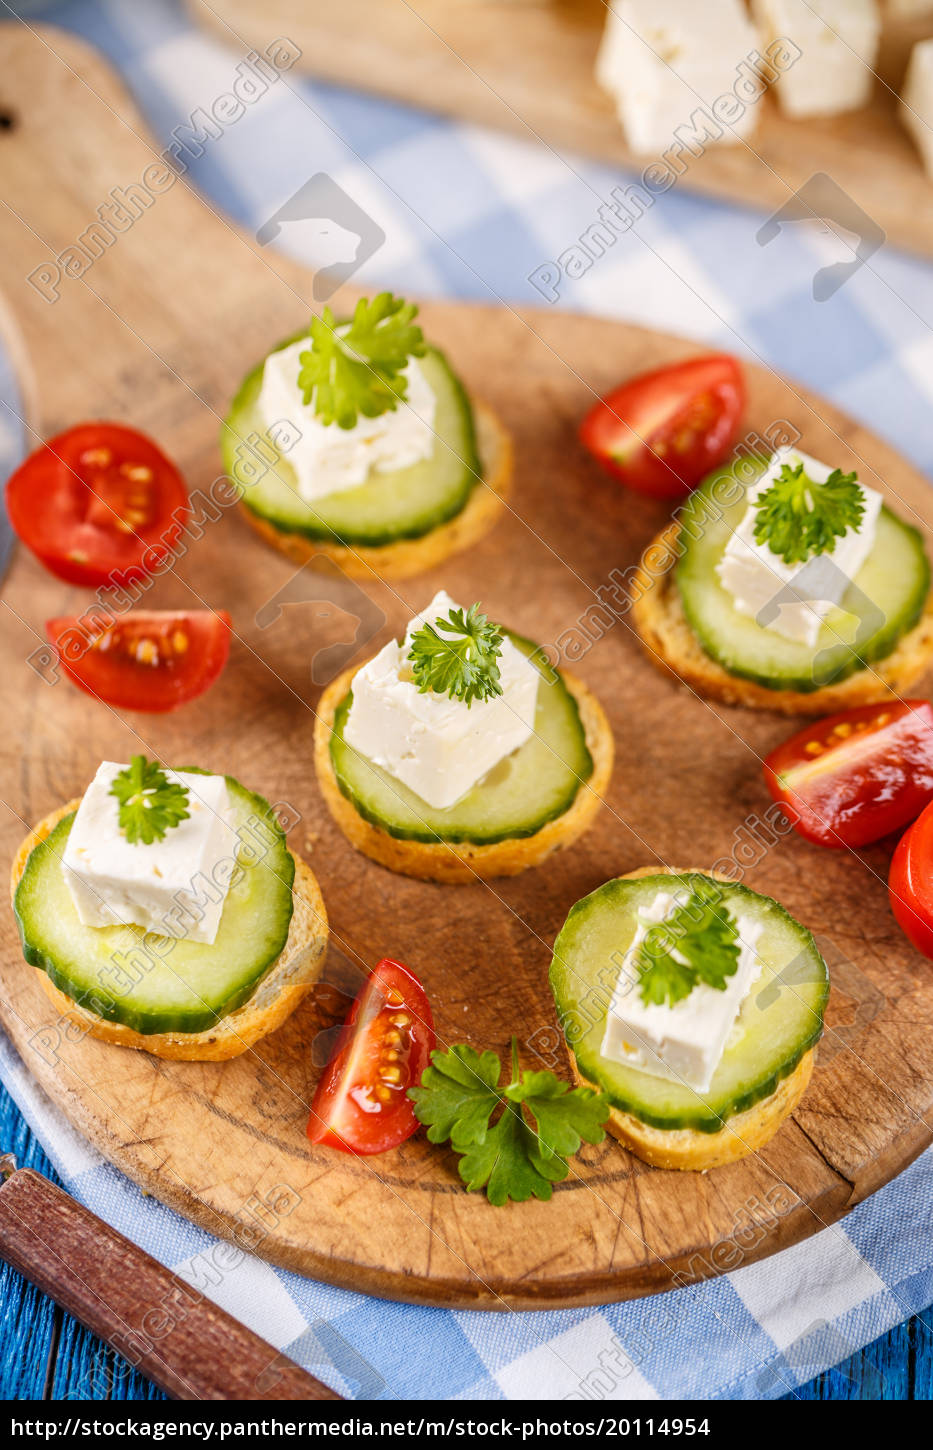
[152, 983]
[780, 1019]
[403, 504]
[885, 600]
[535, 784]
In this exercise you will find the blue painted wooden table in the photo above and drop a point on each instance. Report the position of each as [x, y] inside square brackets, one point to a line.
[46, 1355]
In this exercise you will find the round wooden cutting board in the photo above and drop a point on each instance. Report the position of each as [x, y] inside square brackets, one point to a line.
[158, 333]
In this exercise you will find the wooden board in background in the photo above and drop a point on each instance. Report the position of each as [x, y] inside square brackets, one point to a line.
[528, 68]
[158, 334]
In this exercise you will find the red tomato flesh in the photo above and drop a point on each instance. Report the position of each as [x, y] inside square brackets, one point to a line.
[662, 432]
[361, 1104]
[153, 660]
[855, 777]
[910, 883]
[99, 504]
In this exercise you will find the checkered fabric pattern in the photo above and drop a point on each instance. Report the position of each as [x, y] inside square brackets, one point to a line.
[691, 266]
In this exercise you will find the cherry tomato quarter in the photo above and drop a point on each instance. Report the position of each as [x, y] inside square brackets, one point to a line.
[662, 432]
[910, 883]
[853, 778]
[361, 1104]
[152, 660]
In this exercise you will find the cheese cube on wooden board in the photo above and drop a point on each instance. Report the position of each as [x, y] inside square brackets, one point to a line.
[661, 60]
[916, 108]
[838, 42]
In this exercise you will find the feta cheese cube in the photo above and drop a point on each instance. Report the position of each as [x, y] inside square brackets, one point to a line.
[916, 107]
[838, 42]
[436, 746]
[756, 577]
[329, 459]
[661, 60]
[175, 887]
[683, 1042]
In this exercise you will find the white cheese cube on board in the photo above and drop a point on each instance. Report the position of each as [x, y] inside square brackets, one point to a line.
[328, 459]
[175, 887]
[683, 1042]
[661, 60]
[436, 746]
[916, 107]
[754, 575]
[838, 42]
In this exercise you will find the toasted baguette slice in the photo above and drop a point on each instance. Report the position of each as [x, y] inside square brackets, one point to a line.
[685, 1148]
[279, 992]
[670, 642]
[464, 861]
[414, 556]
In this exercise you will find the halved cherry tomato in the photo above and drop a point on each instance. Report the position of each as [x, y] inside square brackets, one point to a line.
[852, 778]
[910, 883]
[149, 660]
[662, 432]
[99, 504]
[361, 1104]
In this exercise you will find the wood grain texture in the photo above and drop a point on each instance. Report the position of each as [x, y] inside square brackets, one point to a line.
[529, 69]
[158, 334]
[49, 1355]
[168, 1329]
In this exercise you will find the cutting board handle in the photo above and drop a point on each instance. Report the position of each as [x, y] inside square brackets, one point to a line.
[163, 1326]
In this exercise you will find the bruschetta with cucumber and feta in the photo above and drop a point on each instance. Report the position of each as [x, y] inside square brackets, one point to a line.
[356, 442]
[164, 911]
[695, 1006]
[787, 584]
[459, 752]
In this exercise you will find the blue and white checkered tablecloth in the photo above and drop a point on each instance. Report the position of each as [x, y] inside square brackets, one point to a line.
[692, 266]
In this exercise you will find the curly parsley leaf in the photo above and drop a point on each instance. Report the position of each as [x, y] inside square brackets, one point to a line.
[458, 656]
[798, 518]
[150, 804]
[506, 1162]
[697, 943]
[358, 367]
[458, 1095]
[521, 1152]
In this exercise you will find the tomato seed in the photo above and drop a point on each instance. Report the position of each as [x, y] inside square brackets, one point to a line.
[138, 472]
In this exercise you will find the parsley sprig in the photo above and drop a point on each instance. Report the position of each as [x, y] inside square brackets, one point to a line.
[698, 942]
[358, 368]
[519, 1154]
[458, 656]
[150, 804]
[798, 518]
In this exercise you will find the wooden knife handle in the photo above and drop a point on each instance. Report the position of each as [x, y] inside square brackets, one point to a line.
[162, 1325]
